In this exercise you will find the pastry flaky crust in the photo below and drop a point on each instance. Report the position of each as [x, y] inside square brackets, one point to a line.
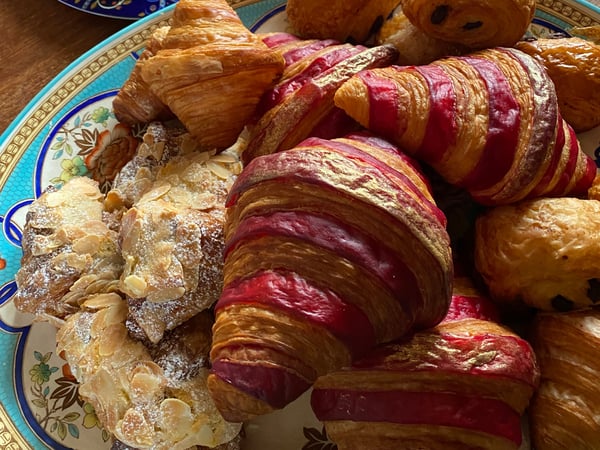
[135, 102]
[476, 24]
[573, 64]
[149, 398]
[565, 409]
[487, 122]
[330, 248]
[461, 385]
[69, 251]
[345, 20]
[300, 104]
[211, 71]
[542, 252]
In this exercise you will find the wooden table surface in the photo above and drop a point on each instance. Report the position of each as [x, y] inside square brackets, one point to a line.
[39, 39]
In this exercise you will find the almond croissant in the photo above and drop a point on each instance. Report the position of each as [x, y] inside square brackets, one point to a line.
[331, 248]
[488, 122]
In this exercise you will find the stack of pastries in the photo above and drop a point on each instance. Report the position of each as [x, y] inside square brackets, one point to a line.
[278, 231]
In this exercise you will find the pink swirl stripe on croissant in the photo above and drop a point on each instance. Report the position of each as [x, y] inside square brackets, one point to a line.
[441, 127]
[513, 357]
[502, 138]
[417, 408]
[322, 231]
[487, 122]
[296, 296]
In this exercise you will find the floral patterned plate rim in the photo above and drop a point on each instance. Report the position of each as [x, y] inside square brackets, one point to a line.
[120, 9]
[69, 129]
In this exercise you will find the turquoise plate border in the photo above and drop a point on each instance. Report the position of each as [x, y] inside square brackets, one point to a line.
[93, 77]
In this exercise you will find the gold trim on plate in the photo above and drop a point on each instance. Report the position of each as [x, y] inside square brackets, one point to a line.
[571, 12]
[10, 439]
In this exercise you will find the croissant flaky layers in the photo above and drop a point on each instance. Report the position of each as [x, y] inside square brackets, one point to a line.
[209, 70]
[488, 122]
[463, 384]
[331, 247]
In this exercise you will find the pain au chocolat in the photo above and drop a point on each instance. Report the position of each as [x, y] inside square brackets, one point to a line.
[541, 252]
[476, 24]
[331, 247]
[488, 122]
[573, 64]
[461, 385]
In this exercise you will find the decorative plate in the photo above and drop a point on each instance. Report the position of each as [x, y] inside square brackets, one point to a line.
[120, 9]
[57, 137]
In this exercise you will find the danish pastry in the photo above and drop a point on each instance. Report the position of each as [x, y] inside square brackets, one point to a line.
[330, 248]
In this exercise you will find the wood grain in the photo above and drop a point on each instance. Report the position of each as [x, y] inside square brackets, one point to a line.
[38, 39]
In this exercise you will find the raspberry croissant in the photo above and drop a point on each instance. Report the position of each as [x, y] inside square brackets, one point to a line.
[330, 248]
[488, 122]
[301, 103]
[461, 385]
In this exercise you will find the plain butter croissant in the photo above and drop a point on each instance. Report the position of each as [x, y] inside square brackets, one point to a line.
[488, 122]
[211, 71]
[331, 247]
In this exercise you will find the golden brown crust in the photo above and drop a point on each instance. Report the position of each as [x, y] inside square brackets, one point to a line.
[564, 411]
[135, 102]
[573, 64]
[344, 20]
[210, 58]
[543, 252]
[414, 46]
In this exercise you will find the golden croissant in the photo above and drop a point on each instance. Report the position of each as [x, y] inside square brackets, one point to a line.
[330, 248]
[564, 411]
[211, 71]
[488, 122]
